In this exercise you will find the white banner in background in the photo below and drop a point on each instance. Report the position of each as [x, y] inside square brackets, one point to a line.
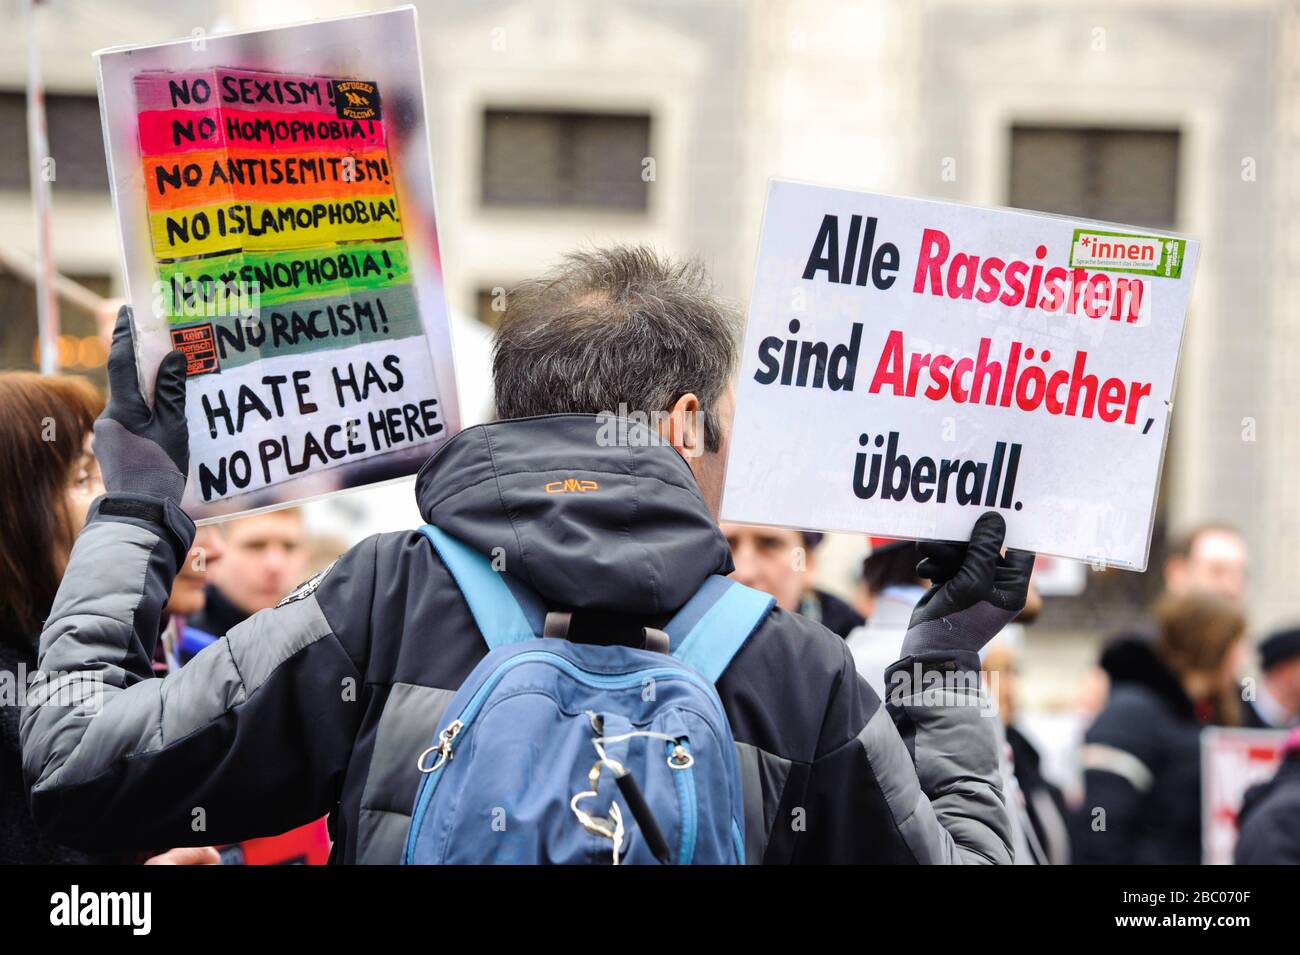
[1232, 760]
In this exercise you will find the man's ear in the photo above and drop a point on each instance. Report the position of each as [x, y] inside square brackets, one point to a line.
[683, 427]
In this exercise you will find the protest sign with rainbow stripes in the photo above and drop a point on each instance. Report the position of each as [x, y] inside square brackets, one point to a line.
[282, 273]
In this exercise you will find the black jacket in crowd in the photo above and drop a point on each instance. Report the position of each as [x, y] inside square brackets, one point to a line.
[1142, 766]
[21, 843]
[1044, 802]
[219, 615]
[1268, 825]
[831, 612]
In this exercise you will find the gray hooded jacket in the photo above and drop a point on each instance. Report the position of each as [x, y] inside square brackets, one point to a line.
[322, 704]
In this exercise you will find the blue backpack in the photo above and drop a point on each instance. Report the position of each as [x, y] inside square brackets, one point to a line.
[560, 752]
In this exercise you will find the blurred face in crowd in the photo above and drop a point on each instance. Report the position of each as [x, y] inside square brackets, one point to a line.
[1000, 664]
[1216, 565]
[864, 601]
[770, 559]
[85, 483]
[187, 596]
[1284, 683]
[266, 557]
[1033, 605]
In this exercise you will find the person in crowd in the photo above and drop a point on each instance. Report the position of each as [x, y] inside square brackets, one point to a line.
[267, 712]
[266, 556]
[782, 562]
[892, 590]
[189, 595]
[1210, 558]
[188, 599]
[1268, 823]
[1141, 757]
[50, 477]
[1276, 702]
[1041, 805]
[833, 613]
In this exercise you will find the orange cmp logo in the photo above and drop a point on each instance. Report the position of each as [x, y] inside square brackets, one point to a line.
[570, 485]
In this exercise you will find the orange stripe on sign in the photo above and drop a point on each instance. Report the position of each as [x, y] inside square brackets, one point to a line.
[181, 180]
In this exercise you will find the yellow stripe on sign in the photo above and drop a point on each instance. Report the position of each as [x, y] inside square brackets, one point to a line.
[268, 226]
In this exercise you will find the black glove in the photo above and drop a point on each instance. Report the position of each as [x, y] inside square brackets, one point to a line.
[975, 593]
[143, 451]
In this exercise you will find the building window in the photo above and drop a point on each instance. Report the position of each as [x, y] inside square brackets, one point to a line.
[75, 136]
[81, 349]
[1128, 176]
[565, 159]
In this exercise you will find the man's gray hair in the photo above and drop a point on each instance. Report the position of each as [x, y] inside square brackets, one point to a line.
[615, 327]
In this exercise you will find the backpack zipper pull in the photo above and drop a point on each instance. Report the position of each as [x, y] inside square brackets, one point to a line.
[443, 748]
[680, 757]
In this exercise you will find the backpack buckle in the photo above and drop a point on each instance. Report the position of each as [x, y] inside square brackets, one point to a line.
[656, 640]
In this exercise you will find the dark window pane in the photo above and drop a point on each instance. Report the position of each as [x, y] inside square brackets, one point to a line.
[13, 145]
[536, 158]
[1118, 175]
[81, 349]
[76, 142]
[18, 343]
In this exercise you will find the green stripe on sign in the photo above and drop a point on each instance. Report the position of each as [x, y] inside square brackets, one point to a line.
[223, 284]
[319, 324]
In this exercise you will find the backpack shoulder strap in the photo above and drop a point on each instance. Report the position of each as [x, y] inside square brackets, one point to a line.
[714, 624]
[504, 610]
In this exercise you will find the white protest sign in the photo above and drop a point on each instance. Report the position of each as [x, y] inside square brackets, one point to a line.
[1232, 760]
[910, 364]
[275, 195]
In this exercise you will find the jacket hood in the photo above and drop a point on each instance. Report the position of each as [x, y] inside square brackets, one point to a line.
[1132, 659]
[591, 512]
